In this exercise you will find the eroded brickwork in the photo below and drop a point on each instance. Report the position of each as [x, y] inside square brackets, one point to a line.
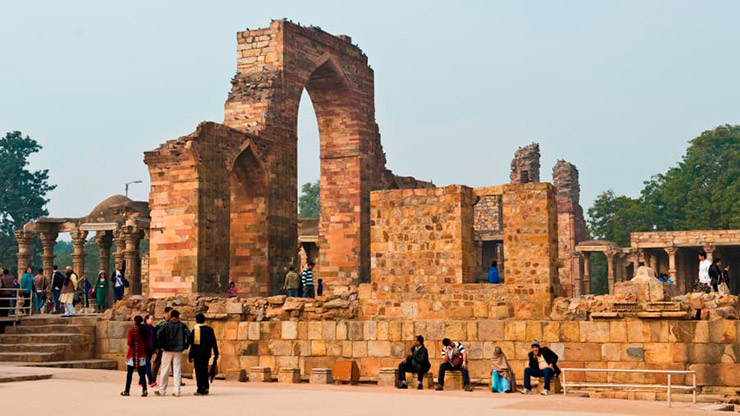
[571, 225]
[525, 167]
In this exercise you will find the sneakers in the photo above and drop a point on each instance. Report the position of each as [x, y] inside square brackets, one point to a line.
[197, 393]
[468, 388]
[125, 393]
[439, 387]
[420, 386]
[403, 386]
[153, 384]
[144, 393]
[545, 392]
[157, 393]
[526, 391]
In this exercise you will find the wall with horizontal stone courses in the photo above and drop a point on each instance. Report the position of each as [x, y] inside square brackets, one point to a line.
[422, 236]
[708, 347]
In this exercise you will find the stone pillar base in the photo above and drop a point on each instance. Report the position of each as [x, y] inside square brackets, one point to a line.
[236, 374]
[412, 380]
[289, 375]
[453, 380]
[321, 376]
[387, 377]
[260, 374]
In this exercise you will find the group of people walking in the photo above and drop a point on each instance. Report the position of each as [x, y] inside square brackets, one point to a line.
[59, 294]
[542, 364]
[713, 276]
[303, 286]
[165, 342]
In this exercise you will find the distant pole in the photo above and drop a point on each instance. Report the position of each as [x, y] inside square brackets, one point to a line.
[129, 183]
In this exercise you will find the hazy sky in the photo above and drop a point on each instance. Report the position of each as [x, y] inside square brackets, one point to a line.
[615, 87]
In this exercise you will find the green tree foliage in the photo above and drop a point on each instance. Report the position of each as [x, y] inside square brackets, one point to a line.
[23, 192]
[308, 202]
[701, 192]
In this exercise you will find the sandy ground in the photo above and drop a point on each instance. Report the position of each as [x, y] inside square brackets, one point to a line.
[75, 392]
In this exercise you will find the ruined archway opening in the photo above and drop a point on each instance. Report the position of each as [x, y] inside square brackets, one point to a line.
[248, 252]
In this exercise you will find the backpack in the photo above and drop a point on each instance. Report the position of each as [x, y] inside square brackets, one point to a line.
[456, 358]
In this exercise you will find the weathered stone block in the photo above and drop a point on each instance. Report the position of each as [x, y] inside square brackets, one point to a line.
[453, 380]
[289, 375]
[378, 348]
[387, 377]
[570, 331]
[260, 374]
[289, 329]
[236, 374]
[723, 332]
[321, 376]
[515, 331]
[489, 330]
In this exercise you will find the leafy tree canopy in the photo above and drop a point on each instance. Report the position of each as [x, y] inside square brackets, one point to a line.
[701, 193]
[308, 202]
[23, 191]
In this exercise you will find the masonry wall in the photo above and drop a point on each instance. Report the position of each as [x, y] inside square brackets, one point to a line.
[708, 347]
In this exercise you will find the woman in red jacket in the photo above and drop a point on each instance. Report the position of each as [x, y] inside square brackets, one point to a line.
[137, 340]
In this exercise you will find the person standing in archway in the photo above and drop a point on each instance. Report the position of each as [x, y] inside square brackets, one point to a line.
[307, 280]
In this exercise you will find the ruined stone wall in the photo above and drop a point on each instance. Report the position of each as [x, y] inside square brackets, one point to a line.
[488, 221]
[422, 236]
[525, 167]
[531, 246]
[708, 347]
[571, 225]
[190, 204]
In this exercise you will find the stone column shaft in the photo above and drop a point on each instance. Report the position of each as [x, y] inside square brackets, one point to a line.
[48, 241]
[671, 261]
[610, 271]
[79, 238]
[133, 263]
[25, 241]
[586, 273]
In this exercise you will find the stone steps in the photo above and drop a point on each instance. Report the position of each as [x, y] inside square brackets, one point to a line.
[91, 364]
[35, 320]
[50, 329]
[43, 338]
[24, 356]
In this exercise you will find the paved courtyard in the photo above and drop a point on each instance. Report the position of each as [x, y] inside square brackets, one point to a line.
[94, 391]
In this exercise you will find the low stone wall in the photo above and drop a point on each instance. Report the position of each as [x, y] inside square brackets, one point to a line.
[708, 347]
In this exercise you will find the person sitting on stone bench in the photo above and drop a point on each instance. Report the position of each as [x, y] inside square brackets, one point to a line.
[542, 363]
[417, 362]
[454, 358]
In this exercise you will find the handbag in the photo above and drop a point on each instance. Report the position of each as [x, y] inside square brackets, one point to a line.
[723, 289]
[126, 282]
[456, 358]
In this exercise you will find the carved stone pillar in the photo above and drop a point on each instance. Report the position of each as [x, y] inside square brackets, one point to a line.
[586, 273]
[610, 270]
[79, 238]
[133, 262]
[120, 241]
[104, 240]
[48, 241]
[25, 241]
[671, 261]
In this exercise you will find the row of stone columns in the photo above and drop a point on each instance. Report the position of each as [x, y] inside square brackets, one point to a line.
[613, 267]
[127, 249]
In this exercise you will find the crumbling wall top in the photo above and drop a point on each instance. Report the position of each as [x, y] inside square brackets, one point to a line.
[525, 167]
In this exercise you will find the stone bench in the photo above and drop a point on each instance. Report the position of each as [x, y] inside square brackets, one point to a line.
[260, 374]
[453, 380]
[555, 387]
[412, 380]
[236, 374]
[321, 376]
[387, 378]
[289, 375]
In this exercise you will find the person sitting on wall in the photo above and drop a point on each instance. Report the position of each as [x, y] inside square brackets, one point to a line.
[493, 274]
[454, 358]
[542, 363]
[417, 362]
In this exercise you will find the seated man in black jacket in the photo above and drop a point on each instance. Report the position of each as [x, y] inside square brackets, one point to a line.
[542, 363]
[202, 340]
[417, 362]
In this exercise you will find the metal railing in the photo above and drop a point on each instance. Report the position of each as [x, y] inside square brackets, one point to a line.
[669, 386]
[16, 304]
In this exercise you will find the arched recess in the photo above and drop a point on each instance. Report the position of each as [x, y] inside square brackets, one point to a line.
[248, 245]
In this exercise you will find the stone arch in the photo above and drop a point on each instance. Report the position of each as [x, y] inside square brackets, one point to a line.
[274, 67]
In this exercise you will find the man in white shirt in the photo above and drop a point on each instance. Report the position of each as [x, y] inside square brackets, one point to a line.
[118, 286]
[704, 265]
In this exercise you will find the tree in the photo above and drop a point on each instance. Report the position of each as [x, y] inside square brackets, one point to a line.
[701, 193]
[308, 202]
[23, 191]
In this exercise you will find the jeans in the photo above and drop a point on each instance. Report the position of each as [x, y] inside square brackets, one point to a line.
[117, 293]
[448, 367]
[170, 359]
[4, 304]
[156, 364]
[292, 293]
[39, 301]
[201, 374]
[407, 367]
[547, 373]
[149, 368]
[57, 306]
[308, 291]
[130, 373]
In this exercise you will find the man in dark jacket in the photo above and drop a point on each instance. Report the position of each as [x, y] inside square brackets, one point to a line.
[542, 363]
[172, 338]
[202, 341]
[57, 281]
[417, 362]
